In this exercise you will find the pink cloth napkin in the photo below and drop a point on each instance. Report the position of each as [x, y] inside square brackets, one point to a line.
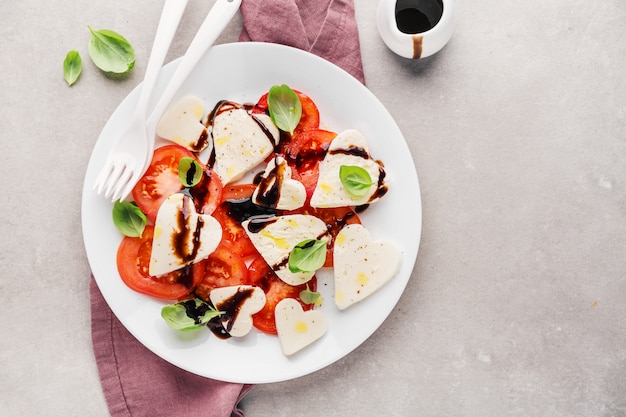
[135, 381]
[326, 28]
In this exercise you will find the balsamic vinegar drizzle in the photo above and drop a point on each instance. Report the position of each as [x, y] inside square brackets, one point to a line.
[200, 143]
[257, 224]
[352, 150]
[200, 193]
[194, 311]
[243, 209]
[381, 188]
[180, 239]
[185, 277]
[264, 128]
[269, 186]
[308, 157]
[230, 308]
[309, 244]
[191, 172]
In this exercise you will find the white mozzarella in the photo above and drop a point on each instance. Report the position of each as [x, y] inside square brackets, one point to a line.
[329, 191]
[277, 189]
[276, 237]
[182, 124]
[181, 235]
[240, 144]
[297, 328]
[361, 265]
[253, 302]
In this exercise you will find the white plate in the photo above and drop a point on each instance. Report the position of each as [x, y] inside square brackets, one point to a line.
[243, 72]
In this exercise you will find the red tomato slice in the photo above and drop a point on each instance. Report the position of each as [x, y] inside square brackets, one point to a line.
[133, 260]
[208, 192]
[238, 191]
[261, 105]
[222, 268]
[304, 153]
[161, 180]
[310, 114]
[231, 228]
[276, 290]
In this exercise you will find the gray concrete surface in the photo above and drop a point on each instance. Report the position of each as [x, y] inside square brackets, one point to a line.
[517, 303]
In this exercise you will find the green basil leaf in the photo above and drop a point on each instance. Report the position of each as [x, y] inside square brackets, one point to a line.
[128, 218]
[189, 171]
[355, 179]
[188, 315]
[310, 297]
[308, 255]
[284, 107]
[110, 51]
[72, 66]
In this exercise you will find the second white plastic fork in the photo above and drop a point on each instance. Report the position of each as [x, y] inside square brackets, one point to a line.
[213, 25]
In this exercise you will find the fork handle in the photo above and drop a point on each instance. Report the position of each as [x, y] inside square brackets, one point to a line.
[168, 24]
[216, 21]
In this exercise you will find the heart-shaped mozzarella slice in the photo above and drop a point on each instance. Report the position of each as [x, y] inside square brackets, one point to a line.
[297, 328]
[238, 303]
[349, 148]
[182, 124]
[361, 265]
[181, 235]
[277, 189]
[240, 143]
[275, 238]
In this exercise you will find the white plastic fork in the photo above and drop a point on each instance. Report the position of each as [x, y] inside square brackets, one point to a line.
[213, 25]
[126, 159]
[217, 19]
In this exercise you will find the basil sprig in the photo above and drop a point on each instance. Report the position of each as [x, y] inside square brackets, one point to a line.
[72, 66]
[284, 107]
[110, 51]
[310, 297]
[189, 171]
[188, 315]
[308, 255]
[355, 179]
[128, 218]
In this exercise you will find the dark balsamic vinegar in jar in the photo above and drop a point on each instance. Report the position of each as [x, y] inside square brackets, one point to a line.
[418, 16]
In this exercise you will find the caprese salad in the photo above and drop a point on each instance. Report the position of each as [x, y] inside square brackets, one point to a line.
[234, 217]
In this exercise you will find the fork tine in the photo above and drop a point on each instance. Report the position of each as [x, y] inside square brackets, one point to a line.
[122, 184]
[129, 187]
[113, 179]
[103, 177]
